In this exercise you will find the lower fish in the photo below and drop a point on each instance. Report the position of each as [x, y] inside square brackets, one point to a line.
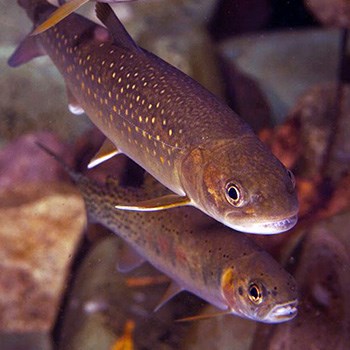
[199, 254]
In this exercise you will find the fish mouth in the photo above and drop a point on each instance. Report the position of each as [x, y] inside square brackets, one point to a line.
[268, 228]
[282, 312]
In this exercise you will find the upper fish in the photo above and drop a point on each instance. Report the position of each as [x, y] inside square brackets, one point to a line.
[165, 121]
[199, 254]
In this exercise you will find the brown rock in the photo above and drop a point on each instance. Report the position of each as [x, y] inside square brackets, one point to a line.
[332, 13]
[41, 224]
[23, 161]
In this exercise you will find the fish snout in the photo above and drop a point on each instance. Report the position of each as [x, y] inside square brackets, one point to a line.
[282, 312]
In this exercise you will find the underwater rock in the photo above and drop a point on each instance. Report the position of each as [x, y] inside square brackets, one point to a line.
[102, 301]
[33, 98]
[323, 276]
[331, 13]
[284, 64]
[314, 113]
[301, 143]
[220, 333]
[23, 161]
[245, 97]
[25, 341]
[41, 225]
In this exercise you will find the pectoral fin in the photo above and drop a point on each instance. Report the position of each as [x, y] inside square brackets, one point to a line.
[172, 290]
[129, 259]
[57, 16]
[106, 151]
[160, 203]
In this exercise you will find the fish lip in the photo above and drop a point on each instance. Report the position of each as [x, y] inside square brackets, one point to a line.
[282, 312]
[268, 228]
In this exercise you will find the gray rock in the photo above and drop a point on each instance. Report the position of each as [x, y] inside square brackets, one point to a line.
[285, 64]
[220, 333]
[41, 225]
[33, 98]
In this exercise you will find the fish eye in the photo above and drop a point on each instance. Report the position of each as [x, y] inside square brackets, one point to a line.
[233, 194]
[291, 176]
[255, 293]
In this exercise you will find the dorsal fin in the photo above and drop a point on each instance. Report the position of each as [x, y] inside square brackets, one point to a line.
[119, 34]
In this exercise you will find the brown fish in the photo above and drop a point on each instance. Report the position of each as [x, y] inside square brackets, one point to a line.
[165, 121]
[199, 254]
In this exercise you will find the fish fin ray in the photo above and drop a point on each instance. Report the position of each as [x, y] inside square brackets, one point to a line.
[129, 259]
[106, 15]
[204, 317]
[156, 204]
[106, 151]
[171, 291]
[58, 15]
[26, 51]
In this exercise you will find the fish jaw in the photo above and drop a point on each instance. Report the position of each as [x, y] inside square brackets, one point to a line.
[264, 228]
[281, 313]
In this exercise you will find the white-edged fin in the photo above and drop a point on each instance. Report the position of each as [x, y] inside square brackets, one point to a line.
[203, 317]
[172, 290]
[120, 36]
[106, 151]
[73, 105]
[129, 259]
[155, 204]
[26, 51]
[58, 15]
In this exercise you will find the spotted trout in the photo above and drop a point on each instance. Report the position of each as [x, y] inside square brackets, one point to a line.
[199, 254]
[166, 122]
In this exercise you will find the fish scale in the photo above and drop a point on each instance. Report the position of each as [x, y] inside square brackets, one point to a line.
[165, 121]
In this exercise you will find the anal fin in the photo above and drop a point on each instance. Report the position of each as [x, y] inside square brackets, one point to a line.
[155, 204]
[26, 51]
[172, 290]
[129, 259]
[58, 15]
[106, 151]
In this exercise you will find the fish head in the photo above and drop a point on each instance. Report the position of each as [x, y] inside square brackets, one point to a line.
[243, 186]
[267, 294]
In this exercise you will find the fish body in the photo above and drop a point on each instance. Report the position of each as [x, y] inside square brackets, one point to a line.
[165, 121]
[199, 254]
